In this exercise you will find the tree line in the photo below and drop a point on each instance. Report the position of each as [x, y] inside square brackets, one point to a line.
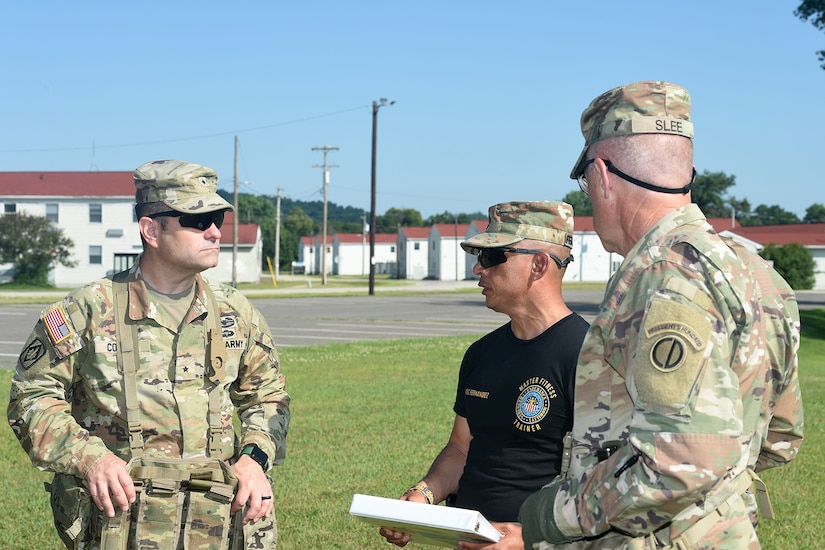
[34, 244]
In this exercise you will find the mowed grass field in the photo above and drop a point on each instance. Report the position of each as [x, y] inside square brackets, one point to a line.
[369, 418]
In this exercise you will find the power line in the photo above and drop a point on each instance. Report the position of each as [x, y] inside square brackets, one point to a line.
[191, 138]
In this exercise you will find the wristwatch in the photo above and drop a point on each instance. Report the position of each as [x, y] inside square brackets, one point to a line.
[256, 454]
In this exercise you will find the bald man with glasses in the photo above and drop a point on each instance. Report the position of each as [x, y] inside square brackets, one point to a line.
[127, 389]
[514, 399]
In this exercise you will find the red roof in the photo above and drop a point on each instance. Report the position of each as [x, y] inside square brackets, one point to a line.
[585, 223]
[806, 234]
[416, 232]
[247, 232]
[67, 184]
[452, 229]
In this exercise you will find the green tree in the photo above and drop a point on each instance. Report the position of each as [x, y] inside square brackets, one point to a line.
[770, 215]
[296, 225]
[580, 202]
[392, 218]
[450, 217]
[33, 244]
[794, 262]
[815, 214]
[815, 11]
[711, 192]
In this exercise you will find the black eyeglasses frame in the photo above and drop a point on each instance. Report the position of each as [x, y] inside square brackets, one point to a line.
[201, 222]
[486, 261]
[649, 186]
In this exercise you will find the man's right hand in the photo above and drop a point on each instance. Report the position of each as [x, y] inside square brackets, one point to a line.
[397, 537]
[109, 481]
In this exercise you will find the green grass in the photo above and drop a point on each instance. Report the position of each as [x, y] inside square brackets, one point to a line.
[369, 418]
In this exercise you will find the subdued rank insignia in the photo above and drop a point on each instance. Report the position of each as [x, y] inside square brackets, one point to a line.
[33, 352]
[56, 324]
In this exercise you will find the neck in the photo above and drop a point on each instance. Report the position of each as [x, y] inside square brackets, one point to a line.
[163, 279]
[533, 319]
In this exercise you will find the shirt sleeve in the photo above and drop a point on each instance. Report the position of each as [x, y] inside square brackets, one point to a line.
[39, 411]
[260, 395]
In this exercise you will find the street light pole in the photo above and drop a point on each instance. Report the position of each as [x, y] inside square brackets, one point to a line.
[375, 106]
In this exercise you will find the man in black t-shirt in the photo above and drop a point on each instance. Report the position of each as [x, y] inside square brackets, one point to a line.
[514, 399]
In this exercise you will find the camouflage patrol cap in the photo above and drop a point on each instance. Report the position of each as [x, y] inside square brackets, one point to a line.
[182, 186]
[651, 107]
[512, 222]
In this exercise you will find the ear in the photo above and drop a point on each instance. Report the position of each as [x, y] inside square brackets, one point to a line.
[604, 185]
[541, 263]
[149, 231]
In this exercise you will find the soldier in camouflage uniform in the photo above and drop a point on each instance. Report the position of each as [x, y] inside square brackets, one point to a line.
[687, 380]
[514, 399]
[142, 374]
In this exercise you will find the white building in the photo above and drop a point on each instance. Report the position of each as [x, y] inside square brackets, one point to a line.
[351, 253]
[412, 252]
[96, 211]
[447, 260]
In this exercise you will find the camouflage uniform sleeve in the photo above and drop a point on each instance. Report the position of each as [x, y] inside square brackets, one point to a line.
[260, 393]
[684, 438]
[785, 430]
[39, 411]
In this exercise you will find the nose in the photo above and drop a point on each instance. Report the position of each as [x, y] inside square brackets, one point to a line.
[477, 268]
[212, 233]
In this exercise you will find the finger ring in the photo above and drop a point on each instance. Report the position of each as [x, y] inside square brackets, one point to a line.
[267, 498]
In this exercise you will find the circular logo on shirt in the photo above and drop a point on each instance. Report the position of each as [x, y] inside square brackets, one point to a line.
[668, 353]
[532, 405]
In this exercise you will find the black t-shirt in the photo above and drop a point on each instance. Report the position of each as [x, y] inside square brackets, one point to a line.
[517, 397]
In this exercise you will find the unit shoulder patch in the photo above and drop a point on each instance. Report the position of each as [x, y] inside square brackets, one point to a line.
[670, 354]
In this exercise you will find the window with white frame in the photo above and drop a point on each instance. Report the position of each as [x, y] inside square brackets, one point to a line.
[52, 212]
[95, 254]
[95, 213]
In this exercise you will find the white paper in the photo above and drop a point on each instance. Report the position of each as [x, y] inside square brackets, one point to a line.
[426, 524]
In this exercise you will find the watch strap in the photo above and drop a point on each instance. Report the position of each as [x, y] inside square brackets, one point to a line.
[255, 453]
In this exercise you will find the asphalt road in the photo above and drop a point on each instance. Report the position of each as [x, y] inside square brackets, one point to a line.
[325, 319]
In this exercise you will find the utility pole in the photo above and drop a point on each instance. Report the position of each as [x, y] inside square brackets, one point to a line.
[326, 168]
[235, 223]
[375, 106]
[278, 235]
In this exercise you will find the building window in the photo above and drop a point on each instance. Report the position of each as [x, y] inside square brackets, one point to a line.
[124, 261]
[52, 212]
[416, 246]
[95, 255]
[392, 249]
[10, 208]
[95, 213]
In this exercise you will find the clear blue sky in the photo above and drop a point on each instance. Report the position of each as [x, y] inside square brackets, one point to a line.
[488, 94]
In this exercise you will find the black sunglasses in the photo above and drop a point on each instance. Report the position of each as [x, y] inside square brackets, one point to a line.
[201, 222]
[489, 257]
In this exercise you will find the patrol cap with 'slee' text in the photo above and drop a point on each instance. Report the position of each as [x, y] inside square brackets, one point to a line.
[180, 185]
[650, 107]
[512, 222]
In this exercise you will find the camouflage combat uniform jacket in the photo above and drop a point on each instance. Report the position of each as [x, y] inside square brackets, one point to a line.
[690, 371]
[67, 403]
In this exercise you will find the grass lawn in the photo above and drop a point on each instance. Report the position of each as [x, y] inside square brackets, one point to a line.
[369, 418]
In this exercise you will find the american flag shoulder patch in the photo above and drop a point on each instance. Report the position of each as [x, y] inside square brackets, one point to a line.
[57, 324]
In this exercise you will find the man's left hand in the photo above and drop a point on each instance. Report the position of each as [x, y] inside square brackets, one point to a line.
[510, 541]
[254, 490]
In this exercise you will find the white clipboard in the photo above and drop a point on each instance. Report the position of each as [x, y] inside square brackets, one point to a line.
[426, 524]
